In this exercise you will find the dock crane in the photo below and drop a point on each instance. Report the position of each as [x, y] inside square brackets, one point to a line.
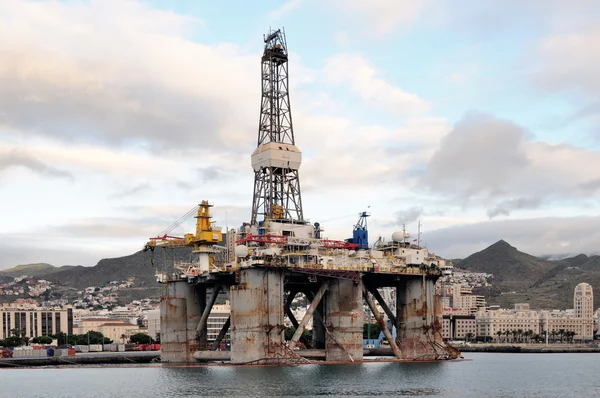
[202, 242]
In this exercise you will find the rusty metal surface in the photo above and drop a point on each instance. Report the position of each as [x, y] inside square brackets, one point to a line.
[257, 317]
[344, 321]
[173, 324]
[419, 320]
[258, 305]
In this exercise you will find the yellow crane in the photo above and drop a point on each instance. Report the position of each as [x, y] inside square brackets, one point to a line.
[206, 236]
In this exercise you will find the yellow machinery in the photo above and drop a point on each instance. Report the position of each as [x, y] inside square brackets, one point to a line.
[205, 236]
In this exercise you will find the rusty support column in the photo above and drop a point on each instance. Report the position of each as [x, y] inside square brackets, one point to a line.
[344, 325]
[257, 303]
[222, 334]
[309, 314]
[418, 334]
[384, 305]
[181, 307]
[201, 328]
[381, 323]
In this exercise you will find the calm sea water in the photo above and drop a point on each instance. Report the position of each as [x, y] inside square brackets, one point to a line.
[487, 375]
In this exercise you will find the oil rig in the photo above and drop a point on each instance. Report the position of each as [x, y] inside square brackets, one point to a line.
[267, 262]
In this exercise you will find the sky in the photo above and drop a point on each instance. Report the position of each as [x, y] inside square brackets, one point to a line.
[479, 119]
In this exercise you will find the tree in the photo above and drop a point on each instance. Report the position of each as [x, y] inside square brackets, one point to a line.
[140, 338]
[499, 334]
[61, 338]
[42, 340]
[469, 336]
[157, 339]
[93, 336]
[11, 341]
[371, 331]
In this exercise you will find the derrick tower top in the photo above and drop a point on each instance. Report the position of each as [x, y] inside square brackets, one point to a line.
[276, 160]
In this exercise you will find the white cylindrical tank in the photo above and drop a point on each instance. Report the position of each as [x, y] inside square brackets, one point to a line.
[399, 236]
[241, 250]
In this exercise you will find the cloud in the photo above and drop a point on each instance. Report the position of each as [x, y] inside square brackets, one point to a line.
[409, 215]
[285, 8]
[379, 17]
[365, 81]
[478, 157]
[493, 163]
[507, 206]
[118, 81]
[134, 191]
[15, 158]
[567, 62]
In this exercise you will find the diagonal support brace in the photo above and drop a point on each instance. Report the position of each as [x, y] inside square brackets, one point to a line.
[222, 334]
[201, 328]
[383, 304]
[381, 322]
[309, 313]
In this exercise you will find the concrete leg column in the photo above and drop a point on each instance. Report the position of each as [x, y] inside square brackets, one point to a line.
[417, 318]
[344, 314]
[257, 317]
[180, 311]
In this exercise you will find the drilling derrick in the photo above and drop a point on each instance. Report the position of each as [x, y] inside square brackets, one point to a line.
[276, 159]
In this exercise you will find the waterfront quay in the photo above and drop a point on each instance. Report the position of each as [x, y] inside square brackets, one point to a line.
[91, 358]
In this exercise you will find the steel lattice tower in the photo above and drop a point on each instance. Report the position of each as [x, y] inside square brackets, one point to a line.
[276, 159]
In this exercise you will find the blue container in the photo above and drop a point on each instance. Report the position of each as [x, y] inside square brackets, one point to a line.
[50, 351]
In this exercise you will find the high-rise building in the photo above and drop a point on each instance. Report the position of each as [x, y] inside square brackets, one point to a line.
[34, 321]
[583, 301]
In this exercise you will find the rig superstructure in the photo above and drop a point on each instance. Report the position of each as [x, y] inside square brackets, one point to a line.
[279, 254]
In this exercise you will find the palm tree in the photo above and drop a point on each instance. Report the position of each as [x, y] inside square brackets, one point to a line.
[507, 333]
[520, 335]
[468, 336]
[123, 337]
[562, 334]
[527, 334]
[515, 333]
[499, 334]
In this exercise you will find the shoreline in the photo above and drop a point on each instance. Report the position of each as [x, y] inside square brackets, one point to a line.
[128, 357]
[530, 349]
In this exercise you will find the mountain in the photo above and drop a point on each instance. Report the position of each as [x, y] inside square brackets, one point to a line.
[140, 265]
[523, 278]
[509, 265]
[37, 269]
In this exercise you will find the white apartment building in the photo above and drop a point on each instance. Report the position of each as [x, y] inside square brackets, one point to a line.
[489, 323]
[580, 320]
[217, 318]
[153, 323]
[464, 301]
[35, 321]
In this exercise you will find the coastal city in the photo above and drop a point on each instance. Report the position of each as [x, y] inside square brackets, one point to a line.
[341, 198]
